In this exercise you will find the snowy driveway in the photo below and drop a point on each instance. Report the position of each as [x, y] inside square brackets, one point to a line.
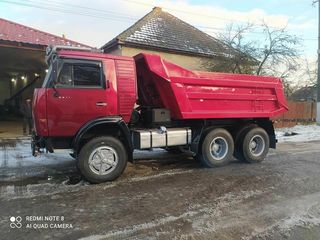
[163, 198]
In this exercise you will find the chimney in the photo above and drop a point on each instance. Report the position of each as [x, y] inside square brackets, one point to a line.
[157, 9]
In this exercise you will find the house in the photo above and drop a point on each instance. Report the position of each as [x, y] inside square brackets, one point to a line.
[22, 58]
[175, 40]
[305, 94]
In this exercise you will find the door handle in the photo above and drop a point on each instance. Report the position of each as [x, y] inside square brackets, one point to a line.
[101, 104]
[56, 94]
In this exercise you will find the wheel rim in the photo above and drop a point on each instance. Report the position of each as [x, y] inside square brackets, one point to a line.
[219, 148]
[103, 160]
[257, 145]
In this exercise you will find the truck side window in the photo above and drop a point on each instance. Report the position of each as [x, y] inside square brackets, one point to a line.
[79, 74]
[65, 76]
[86, 75]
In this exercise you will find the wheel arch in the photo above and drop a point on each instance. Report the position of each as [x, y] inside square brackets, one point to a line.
[267, 125]
[201, 133]
[111, 126]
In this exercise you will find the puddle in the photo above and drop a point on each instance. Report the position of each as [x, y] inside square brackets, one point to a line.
[73, 179]
[38, 179]
[9, 143]
[40, 186]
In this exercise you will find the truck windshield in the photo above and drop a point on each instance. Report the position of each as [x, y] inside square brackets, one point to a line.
[46, 80]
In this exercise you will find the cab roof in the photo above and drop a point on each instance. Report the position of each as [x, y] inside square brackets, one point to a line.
[94, 55]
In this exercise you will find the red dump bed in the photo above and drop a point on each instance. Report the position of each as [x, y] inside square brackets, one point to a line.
[193, 95]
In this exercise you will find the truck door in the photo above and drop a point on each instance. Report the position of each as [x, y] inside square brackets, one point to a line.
[78, 95]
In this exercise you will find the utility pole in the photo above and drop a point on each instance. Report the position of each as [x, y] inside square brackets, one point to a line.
[318, 70]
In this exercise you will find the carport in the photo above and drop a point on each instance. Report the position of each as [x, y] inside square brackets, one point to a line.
[22, 68]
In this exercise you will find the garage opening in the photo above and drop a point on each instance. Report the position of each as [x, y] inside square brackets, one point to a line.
[22, 69]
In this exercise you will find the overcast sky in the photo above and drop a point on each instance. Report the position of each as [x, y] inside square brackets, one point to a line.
[95, 22]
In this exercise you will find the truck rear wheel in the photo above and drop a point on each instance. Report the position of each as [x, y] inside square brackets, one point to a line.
[238, 140]
[102, 159]
[216, 149]
[254, 145]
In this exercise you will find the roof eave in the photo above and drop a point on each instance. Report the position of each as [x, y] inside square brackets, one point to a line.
[169, 50]
[15, 44]
[112, 43]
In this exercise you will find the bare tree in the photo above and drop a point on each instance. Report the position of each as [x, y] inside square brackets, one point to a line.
[276, 53]
[239, 51]
[309, 73]
[242, 59]
[280, 48]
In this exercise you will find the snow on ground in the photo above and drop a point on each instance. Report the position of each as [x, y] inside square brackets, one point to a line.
[299, 133]
[17, 162]
[18, 153]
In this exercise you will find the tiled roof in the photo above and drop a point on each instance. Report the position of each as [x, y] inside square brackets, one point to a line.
[159, 29]
[14, 32]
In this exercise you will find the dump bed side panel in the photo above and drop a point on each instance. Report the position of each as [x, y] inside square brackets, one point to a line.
[223, 98]
[197, 95]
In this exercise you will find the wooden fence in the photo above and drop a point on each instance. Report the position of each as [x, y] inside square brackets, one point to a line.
[299, 113]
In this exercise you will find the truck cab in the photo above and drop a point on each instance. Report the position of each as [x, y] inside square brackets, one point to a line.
[81, 86]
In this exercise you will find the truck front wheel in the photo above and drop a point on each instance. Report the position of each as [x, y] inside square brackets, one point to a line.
[217, 148]
[254, 145]
[102, 159]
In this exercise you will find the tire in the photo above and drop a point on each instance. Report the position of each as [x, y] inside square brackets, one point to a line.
[238, 140]
[216, 149]
[254, 146]
[108, 156]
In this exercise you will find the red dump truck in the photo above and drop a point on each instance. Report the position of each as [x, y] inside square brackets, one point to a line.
[103, 107]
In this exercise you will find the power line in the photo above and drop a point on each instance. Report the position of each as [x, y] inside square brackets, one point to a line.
[188, 12]
[197, 14]
[214, 17]
[60, 7]
[57, 7]
[103, 11]
[52, 5]
[136, 17]
[60, 10]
